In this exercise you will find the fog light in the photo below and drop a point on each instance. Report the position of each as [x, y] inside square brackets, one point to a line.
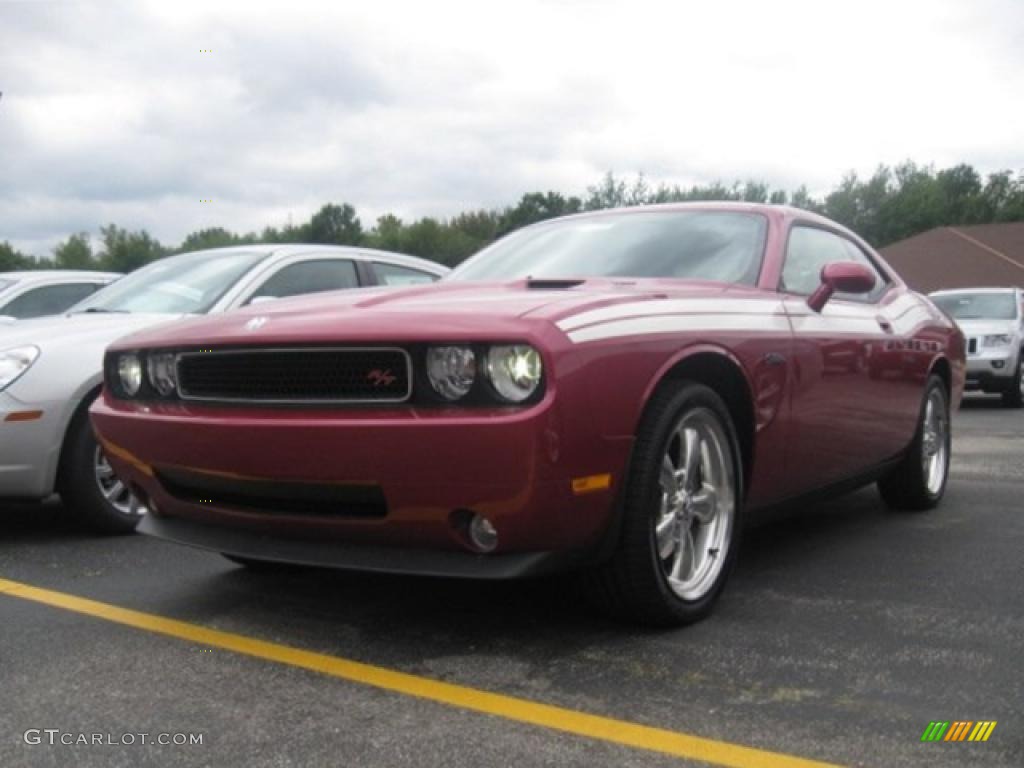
[483, 534]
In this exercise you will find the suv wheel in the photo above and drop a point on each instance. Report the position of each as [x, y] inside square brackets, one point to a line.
[1014, 396]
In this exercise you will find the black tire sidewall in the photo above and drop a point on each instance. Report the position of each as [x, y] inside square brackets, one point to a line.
[79, 490]
[934, 383]
[645, 490]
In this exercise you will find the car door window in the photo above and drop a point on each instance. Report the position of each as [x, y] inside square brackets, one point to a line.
[809, 249]
[47, 300]
[309, 277]
[392, 274]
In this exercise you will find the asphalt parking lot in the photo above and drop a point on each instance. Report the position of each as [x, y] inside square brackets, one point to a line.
[846, 629]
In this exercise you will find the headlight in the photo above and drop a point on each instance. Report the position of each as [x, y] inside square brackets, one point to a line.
[14, 362]
[451, 371]
[162, 374]
[996, 340]
[514, 371]
[129, 371]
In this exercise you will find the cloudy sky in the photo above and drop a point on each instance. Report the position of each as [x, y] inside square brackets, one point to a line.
[115, 112]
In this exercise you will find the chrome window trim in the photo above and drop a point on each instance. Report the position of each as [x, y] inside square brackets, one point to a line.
[275, 401]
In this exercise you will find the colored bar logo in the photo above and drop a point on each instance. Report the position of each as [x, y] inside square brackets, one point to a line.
[958, 730]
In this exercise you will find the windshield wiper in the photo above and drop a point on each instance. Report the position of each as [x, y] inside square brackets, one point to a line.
[99, 310]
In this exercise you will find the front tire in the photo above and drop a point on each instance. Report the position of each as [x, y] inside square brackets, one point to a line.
[1014, 396]
[919, 480]
[90, 489]
[681, 519]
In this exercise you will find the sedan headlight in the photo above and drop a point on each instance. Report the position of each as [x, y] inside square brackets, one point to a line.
[14, 362]
[996, 340]
[129, 372]
[451, 371]
[514, 371]
[162, 373]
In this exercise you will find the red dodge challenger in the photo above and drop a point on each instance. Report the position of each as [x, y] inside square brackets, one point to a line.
[613, 392]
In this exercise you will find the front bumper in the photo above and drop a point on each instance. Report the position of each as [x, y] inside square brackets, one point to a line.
[430, 468]
[992, 370]
[30, 448]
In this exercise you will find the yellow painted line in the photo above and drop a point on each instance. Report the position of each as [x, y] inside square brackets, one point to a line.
[605, 729]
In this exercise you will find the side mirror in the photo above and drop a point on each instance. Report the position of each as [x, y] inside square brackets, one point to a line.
[844, 277]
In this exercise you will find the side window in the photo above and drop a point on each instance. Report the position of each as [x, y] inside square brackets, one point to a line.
[392, 274]
[809, 249]
[47, 300]
[309, 277]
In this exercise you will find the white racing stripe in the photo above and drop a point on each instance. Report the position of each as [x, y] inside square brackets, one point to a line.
[651, 307]
[642, 326]
[754, 316]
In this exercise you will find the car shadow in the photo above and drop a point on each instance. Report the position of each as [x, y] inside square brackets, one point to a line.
[38, 521]
[978, 402]
[431, 616]
[426, 617]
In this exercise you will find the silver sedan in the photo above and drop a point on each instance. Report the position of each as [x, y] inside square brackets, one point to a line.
[36, 293]
[51, 368]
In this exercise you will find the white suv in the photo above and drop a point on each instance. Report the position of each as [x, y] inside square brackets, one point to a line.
[992, 320]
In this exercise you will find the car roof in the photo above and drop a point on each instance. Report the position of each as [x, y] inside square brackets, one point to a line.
[58, 274]
[287, 250]
[989, 289]
[771, 210]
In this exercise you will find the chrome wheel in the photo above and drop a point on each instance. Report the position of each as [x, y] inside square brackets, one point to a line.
[112, 489]
[935, 442]
[697, 506]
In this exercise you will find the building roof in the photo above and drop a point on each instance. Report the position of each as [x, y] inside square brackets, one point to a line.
[960, 257]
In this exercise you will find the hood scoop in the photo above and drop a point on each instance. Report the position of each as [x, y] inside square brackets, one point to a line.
[540, 284]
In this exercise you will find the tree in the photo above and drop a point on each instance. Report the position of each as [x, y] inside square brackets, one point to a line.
[212, 237]
[388, 234]
[336, 224]
[538, 206]
[75, 253]
[125, 251]
[12, 260]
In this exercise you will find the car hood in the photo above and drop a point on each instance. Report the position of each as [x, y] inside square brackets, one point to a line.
[99, 328]
[983, 327]
[71, 348]
[454, 310]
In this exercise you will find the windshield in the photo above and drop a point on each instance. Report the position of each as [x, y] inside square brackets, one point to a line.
[976, 306]
[190, 283]
[702, 245]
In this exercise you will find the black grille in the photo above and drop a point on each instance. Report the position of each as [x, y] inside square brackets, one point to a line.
[295, 375]
[271, 496]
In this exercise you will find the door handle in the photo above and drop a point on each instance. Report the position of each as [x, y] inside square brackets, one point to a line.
[884, 324]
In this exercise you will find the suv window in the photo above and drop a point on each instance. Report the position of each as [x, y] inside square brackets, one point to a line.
[392, 274]
[47, 300]
[809, 249]
[309, 277]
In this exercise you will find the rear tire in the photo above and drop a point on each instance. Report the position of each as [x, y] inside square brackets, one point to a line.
[681, 515]
[919, 480]
[1014, 396]
[88, 486]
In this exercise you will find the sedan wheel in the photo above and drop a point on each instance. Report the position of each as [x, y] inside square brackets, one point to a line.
[680, 517]
[113, 490]
[90, 489]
